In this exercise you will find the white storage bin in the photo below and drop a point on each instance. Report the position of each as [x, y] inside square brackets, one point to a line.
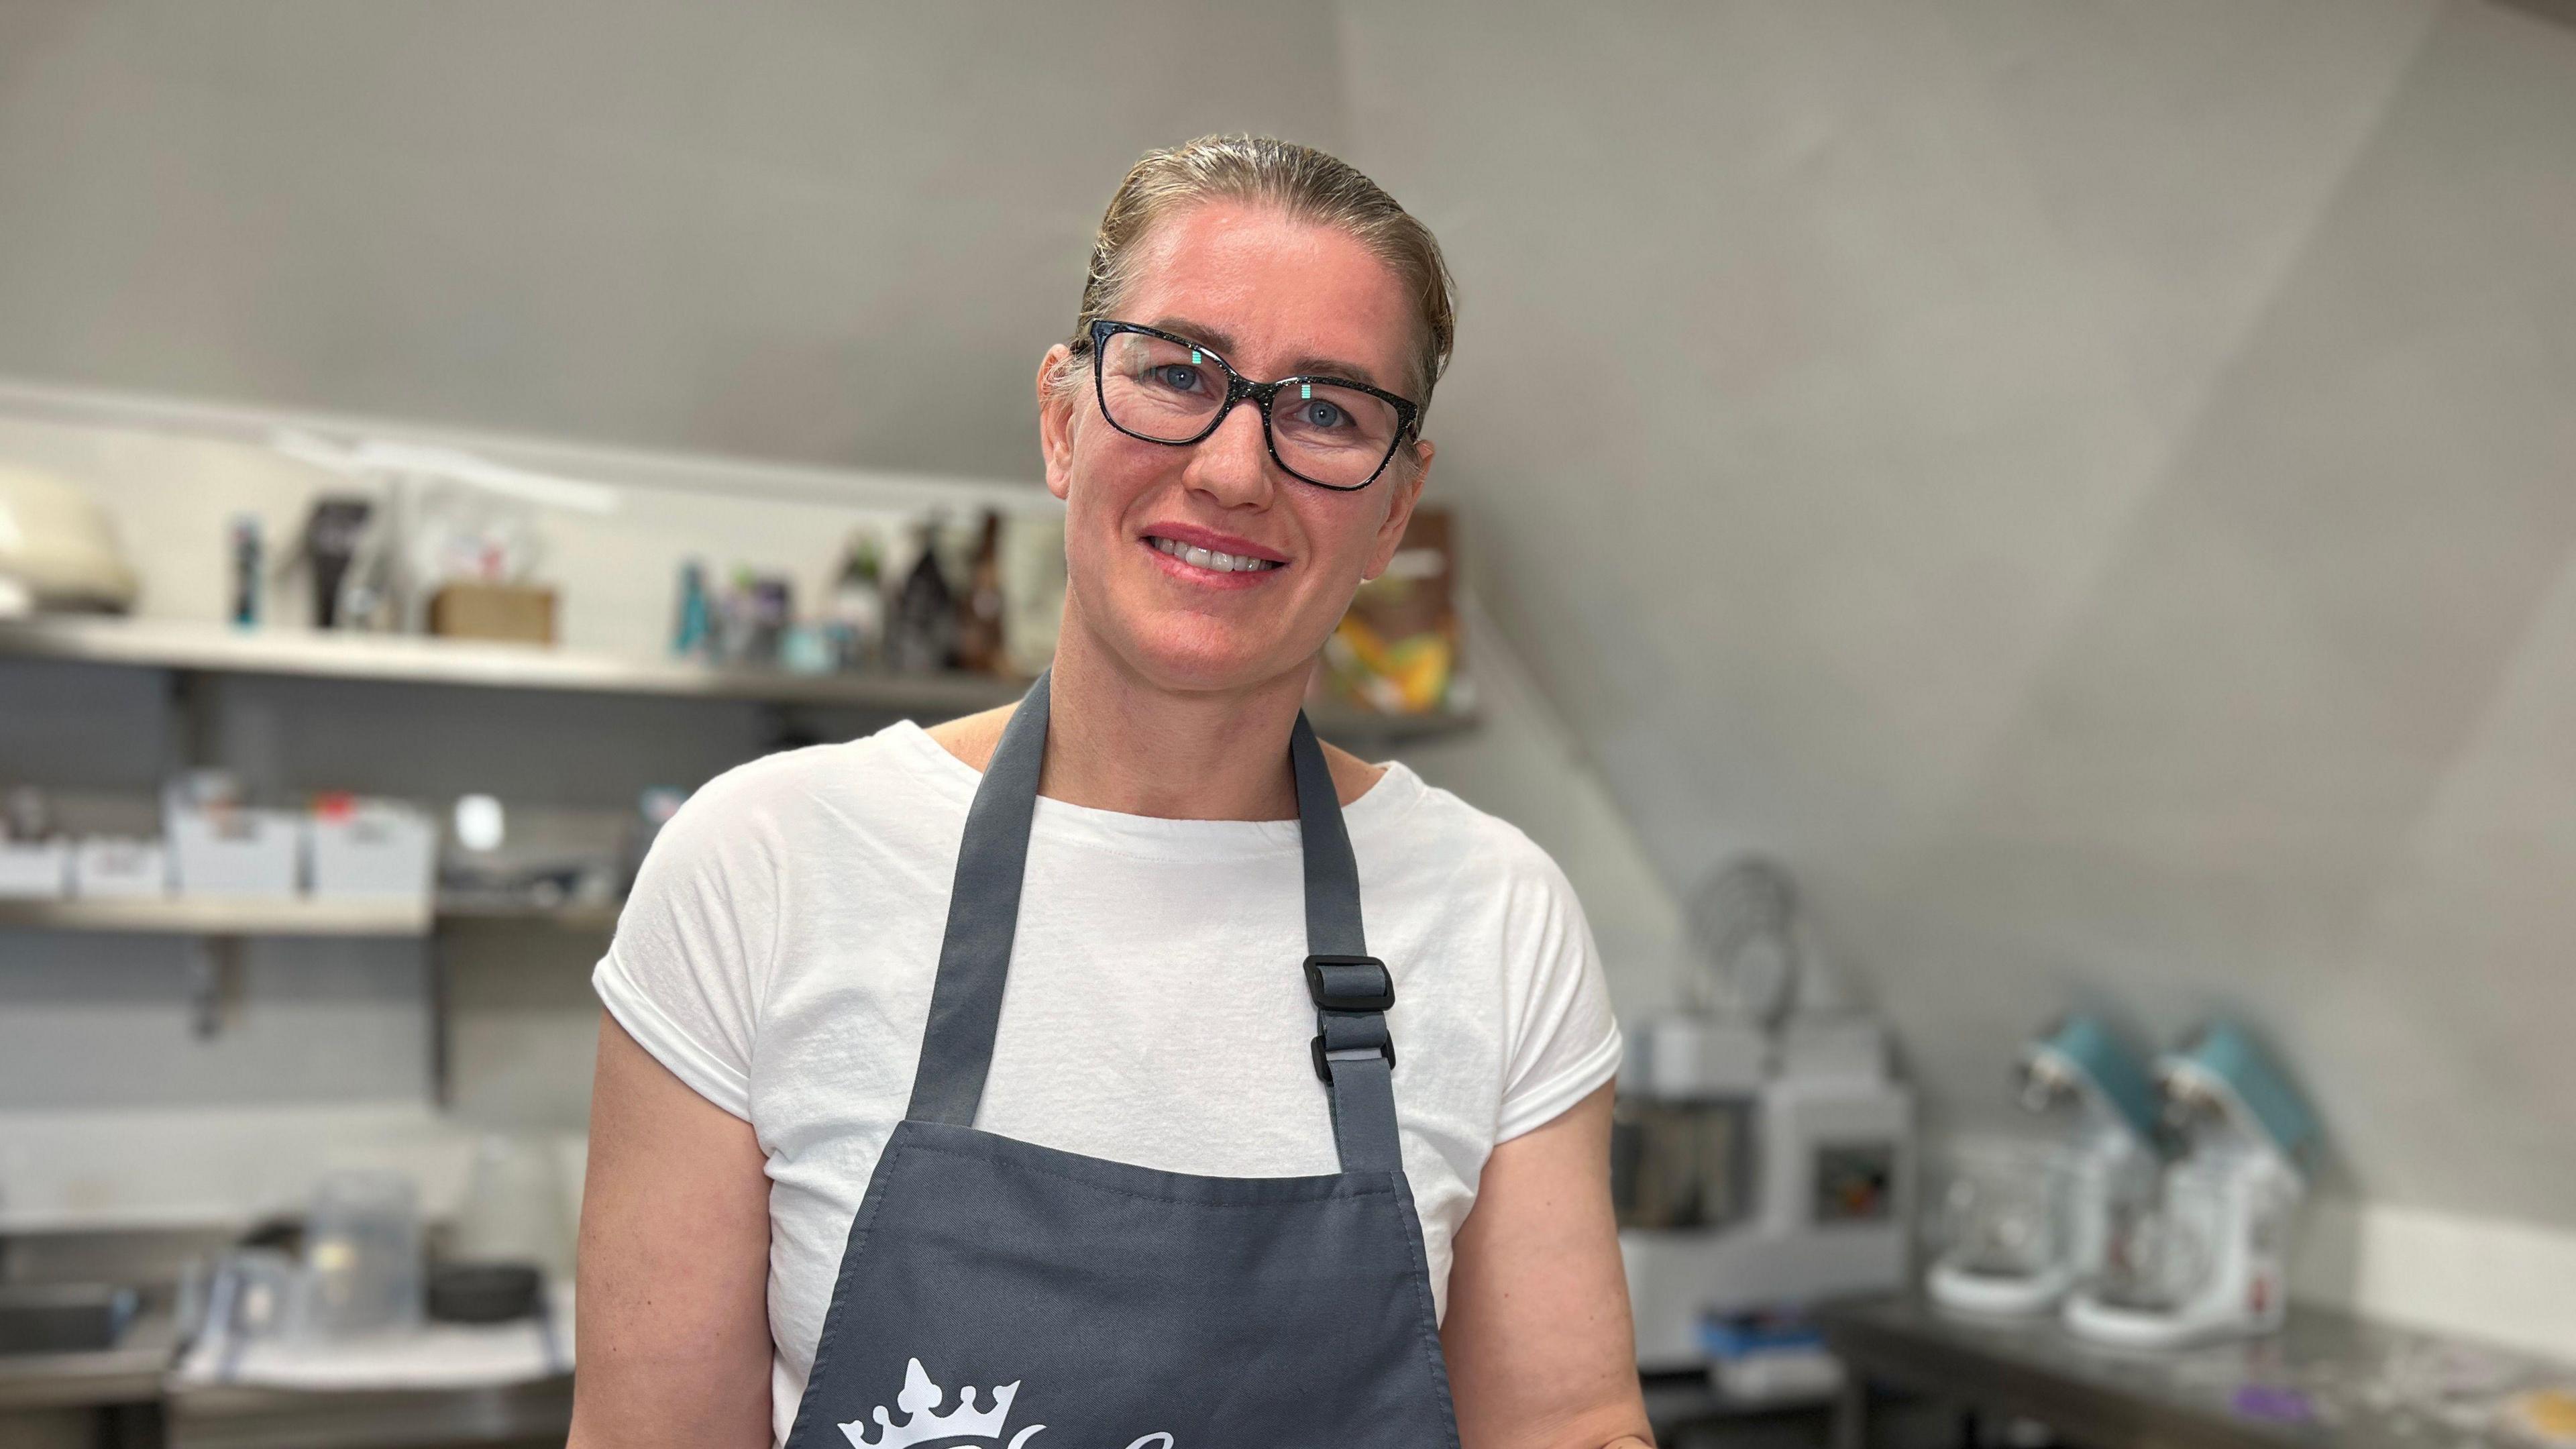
[236, 852]
[111, 866]
[381, 848]
[34, 869]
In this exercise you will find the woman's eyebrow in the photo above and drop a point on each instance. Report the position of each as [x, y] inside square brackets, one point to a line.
[1334, 367]
[1217, 338]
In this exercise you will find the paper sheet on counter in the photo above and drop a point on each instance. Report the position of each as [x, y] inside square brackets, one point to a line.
[433, 1356]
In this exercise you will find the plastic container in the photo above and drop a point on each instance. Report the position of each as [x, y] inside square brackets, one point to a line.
[236, 852]
[105, 866]
[374, 848]
[34, 869]
[362, 1256]
[514, 1209]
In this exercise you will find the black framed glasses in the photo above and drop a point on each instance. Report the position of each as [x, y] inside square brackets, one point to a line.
[1328, 431]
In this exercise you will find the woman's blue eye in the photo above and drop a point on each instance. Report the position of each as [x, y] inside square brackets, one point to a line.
[1323, 414]
[1178, 376]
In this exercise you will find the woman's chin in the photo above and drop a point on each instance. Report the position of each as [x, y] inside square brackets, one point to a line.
[1197, 659]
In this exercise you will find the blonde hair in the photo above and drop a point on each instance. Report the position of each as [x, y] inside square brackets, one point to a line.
[1306, 184]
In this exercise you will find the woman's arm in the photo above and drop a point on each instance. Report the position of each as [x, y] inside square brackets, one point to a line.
[1542, 1353]
[672, 1316]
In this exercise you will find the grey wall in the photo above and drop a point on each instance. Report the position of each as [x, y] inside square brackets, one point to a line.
[818, 231]
[2090, 484]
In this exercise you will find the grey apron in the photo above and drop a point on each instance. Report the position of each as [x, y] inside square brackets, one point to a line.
[992, 1289]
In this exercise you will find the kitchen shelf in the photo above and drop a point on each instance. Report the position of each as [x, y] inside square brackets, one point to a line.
[570, 916]
[1342, 723]
[290, 916]
[221, 916]
[419, 659]
[416, 659]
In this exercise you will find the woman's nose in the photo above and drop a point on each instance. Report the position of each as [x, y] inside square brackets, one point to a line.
[1232, 464]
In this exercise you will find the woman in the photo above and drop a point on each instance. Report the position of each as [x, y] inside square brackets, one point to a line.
[1210, 1172]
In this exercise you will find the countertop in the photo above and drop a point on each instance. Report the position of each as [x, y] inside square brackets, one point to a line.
[126, 1374]
[2325, 1378]
[234, 1417]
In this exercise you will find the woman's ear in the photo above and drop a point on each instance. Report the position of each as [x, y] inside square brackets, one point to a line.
[1056, 406]
[1401, 497]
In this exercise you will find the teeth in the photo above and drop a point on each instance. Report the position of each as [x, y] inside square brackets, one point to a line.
[1212, 560]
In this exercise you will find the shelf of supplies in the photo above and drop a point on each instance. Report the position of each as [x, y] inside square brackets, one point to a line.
[416, 659]
[290, 916]
[221, 916]
[569, 916]
[1339, 723]
[419, 659]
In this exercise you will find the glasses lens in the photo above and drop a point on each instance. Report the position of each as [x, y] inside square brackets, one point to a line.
[1336, 436]
[1158, 389]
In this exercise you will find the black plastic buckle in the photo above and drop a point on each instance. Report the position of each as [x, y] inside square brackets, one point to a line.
[1381, 998]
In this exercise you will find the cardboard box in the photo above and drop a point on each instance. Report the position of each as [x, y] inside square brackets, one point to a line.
[522, 613]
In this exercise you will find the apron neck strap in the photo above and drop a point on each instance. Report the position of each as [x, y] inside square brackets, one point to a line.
[1352, 1050]
[1354, 1053]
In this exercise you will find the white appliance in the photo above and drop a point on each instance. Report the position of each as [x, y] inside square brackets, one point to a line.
[2211, 1261]
[1764, 1153]
[2024, 1223]
[58, 550]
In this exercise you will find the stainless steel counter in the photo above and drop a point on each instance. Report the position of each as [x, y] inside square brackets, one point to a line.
[247, 1418]
[135, 1373]
[126, 1374]
[2325, 1378]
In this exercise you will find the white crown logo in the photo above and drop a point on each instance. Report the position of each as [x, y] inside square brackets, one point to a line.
[921, 1426]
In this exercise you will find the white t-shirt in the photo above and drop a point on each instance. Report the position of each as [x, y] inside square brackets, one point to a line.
[779, 949]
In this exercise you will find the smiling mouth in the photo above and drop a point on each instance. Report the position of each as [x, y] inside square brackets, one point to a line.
[1211, 559]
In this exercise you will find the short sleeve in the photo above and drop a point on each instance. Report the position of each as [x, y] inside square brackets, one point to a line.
[1565, 1042]
[695, 941]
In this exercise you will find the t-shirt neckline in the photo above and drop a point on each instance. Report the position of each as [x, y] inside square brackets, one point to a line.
[1396, 791]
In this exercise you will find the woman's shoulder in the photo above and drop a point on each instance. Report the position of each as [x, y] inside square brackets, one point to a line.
[1423, 821]
[793, 795]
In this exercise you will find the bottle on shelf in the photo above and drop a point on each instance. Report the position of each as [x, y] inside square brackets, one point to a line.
[979, 609]
[856, 623]
[693, 633]
[247, 572]
[923, 636]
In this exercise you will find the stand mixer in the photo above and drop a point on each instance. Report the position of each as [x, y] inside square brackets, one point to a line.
[2211, 1261]
[2028, 1222]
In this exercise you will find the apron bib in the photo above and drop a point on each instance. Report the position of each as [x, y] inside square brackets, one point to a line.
[998, 1294]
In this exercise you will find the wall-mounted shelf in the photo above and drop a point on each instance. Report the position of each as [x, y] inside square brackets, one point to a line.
[414, 659]
[188, 650]
[1341, 724]
[417, 659]
[570, 916]
[292, 916]
[221, 916]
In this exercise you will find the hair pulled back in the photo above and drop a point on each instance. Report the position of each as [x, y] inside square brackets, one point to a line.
[1306, 184]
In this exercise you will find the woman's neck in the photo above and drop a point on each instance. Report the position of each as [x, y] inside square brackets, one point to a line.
[1117, 742]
